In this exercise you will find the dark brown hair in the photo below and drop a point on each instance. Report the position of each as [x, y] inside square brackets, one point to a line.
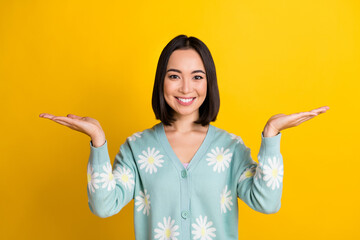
[209, 109]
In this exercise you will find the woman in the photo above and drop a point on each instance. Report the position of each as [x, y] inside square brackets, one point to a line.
[185, 174]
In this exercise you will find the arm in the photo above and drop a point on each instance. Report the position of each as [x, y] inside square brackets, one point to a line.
[110, 189]
[260, 185]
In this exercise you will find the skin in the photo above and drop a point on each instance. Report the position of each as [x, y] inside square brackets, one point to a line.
[180, 81]
[184, 84]
[185, 78]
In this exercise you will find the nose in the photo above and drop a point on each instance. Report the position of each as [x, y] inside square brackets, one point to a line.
[185, 86]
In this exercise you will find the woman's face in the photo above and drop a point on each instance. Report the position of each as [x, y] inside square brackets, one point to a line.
[185, 83]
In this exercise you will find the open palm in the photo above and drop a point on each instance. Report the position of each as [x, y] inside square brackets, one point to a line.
[281, 121]
[87, 125]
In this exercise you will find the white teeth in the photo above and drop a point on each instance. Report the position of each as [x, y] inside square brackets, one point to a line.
[185, 100]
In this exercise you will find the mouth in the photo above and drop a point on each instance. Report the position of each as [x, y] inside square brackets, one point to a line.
[185, 101]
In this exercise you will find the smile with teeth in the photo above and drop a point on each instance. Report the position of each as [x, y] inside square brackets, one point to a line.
[185, 100]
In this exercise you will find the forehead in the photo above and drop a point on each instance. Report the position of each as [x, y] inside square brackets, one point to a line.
[186, 60]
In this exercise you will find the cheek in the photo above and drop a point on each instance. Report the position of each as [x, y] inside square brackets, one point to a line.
[169, 88]
[166, 88]
[204, 88]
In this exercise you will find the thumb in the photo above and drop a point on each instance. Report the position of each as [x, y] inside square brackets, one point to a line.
[74, 116]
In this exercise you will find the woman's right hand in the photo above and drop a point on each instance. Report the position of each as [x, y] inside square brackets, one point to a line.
[87, 125]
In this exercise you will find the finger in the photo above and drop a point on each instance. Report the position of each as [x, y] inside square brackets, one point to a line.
[317, 111]
[301, 120]
[66, 119]
[300, 115]
[71, 121]
[312, 112]
[74, 116]
[325, 107]
[321, 109]
[62, 122]
[305, 113]
[46, 115]
[66, 124]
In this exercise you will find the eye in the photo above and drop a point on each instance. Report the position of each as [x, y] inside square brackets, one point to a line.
[200, 77]
[173, 76]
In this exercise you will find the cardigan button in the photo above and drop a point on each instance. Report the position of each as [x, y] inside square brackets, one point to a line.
[183, 173]
[184, 214]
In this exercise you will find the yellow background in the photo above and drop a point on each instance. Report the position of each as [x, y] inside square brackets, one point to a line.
[98, 59]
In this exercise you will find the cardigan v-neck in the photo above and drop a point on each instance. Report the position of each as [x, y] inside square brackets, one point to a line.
[160, 131]
[189, 202]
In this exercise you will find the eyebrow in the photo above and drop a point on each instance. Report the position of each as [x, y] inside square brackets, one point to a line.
[176, 70]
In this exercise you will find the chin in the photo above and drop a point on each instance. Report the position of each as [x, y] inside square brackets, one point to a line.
[183, 113]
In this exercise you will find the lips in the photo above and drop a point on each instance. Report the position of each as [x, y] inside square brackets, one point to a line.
[185, 101]
[185, 97]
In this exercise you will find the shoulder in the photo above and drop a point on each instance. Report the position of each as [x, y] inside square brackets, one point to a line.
[141, 137]
[231, 144]
[228, 138]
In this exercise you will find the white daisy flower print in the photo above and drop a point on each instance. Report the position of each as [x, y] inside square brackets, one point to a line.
[150, 160]
[273, 173]
[249, 172]
[219, 158]
[92, 178]
[108, 177]
[134, 136]
[124, 176]
[143, 201]
[202, 230]
[238, 138]
[167, 231]
[225, 200]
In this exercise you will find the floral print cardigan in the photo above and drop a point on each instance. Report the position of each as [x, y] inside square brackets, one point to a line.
[174, 202]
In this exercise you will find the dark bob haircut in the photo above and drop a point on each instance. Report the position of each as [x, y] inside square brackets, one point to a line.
[209, 109]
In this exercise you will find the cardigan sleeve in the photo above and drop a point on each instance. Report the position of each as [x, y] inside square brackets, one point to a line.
[109, 188]
[259, 185]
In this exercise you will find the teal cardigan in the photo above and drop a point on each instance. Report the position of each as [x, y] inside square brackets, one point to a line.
[174, 202]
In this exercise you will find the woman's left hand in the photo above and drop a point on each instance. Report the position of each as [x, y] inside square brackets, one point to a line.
[281, 121]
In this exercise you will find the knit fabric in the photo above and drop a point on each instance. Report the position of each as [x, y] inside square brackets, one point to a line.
[182, 203]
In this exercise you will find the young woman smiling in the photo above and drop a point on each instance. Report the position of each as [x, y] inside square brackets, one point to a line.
[185, 174]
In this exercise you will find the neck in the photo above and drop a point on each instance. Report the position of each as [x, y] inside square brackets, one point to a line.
[185, 123]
